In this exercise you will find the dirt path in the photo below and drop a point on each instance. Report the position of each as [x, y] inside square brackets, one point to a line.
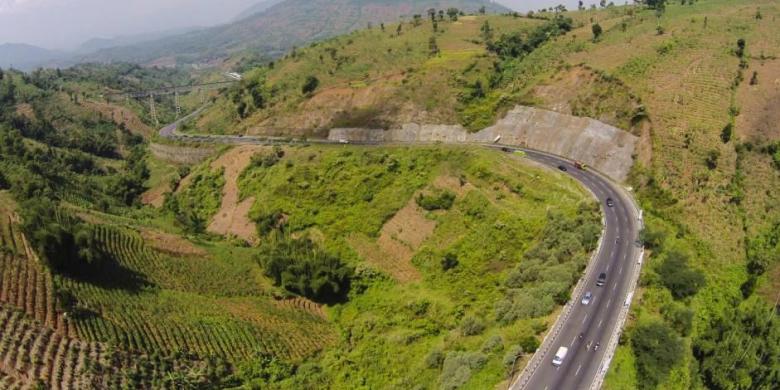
[233, 216]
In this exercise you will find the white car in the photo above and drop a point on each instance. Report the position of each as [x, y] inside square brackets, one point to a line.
[587, 298]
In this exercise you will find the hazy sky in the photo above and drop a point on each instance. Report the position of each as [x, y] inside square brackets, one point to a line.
[64, 24]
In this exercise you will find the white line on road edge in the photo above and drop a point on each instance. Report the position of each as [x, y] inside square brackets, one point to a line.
[578, 370]
[600, 321]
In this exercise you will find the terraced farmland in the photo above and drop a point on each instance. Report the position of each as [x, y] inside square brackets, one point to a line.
[156, 302]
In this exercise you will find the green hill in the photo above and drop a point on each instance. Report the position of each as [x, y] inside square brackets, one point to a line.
[278, 28]
[697, 81]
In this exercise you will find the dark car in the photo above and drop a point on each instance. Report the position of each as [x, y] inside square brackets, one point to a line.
[602, 279]
[610, 202]
[563, 168]
[507, 150]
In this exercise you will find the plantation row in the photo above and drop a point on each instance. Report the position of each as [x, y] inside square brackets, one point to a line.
[145, 315]
[10, 238]
[31, 354]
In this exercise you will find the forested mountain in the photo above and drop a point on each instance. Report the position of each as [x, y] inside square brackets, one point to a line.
[279, 28]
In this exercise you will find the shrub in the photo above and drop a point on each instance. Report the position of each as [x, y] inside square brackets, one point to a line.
[493, 344]
[434, 359]
[458, 368]
[725, 135]
[310, 85]
[512, 355]
[657, 349]
[449, 261]
[440, 200]
[529, 344]
[299, 266]
[471, 326]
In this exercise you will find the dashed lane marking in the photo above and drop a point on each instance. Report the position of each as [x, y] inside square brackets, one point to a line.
[578, 370]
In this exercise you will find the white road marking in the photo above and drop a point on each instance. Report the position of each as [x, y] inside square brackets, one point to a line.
[585, 319]
[621, 270]
[572, 341]
[614, 287]
[609, 302]
[578, 370]
[600, 321]
[609, 265]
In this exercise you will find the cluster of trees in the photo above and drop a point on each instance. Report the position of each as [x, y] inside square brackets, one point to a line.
[658, 349]
[516, 45]
[300, 266]
[65, 244]
[549, 269]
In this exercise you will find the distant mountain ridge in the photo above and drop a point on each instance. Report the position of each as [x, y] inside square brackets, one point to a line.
[25, 57]
[278, 28]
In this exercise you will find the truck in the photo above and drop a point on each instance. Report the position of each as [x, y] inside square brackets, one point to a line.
[580, 165]
[559, 356]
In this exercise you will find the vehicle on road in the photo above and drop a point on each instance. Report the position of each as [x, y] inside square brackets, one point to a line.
[596, 347]
[587, 298]
[507, 150]
[580, 165]
[602, 279]
[343, 141]
[559, 356]
[498, 138]
[610, 202]
[562, 168]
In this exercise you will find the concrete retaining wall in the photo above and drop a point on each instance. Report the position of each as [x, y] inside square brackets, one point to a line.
[605, 147]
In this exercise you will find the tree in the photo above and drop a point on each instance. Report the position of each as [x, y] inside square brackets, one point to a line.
[433, 47]
[740, 47]
[681, 280]
[754, 78]
[580, 5]
[487, 32]
[398, 30]
[712, 159]
[482, 10]
[725, 134]
[432, 14]
[441, 15]
[453, 13]
[310, 85]
[657, 349]
[596, 28]
[417, 19]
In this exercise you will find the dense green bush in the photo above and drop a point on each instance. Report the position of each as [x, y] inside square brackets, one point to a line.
[657, 349]
[300, 266]
[438, 200]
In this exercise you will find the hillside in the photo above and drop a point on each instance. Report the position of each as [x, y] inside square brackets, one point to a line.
[26, 57]
[697, 82]
[277, 29]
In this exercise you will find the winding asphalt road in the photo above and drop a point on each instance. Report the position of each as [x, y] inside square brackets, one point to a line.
[618, 256]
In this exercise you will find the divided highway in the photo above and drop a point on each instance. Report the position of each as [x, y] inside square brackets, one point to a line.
[580, 328]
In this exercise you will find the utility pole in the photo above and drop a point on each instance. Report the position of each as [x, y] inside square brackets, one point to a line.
[176, 102]
[152, 110]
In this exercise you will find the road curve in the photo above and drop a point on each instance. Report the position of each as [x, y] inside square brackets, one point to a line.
[618, 255]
